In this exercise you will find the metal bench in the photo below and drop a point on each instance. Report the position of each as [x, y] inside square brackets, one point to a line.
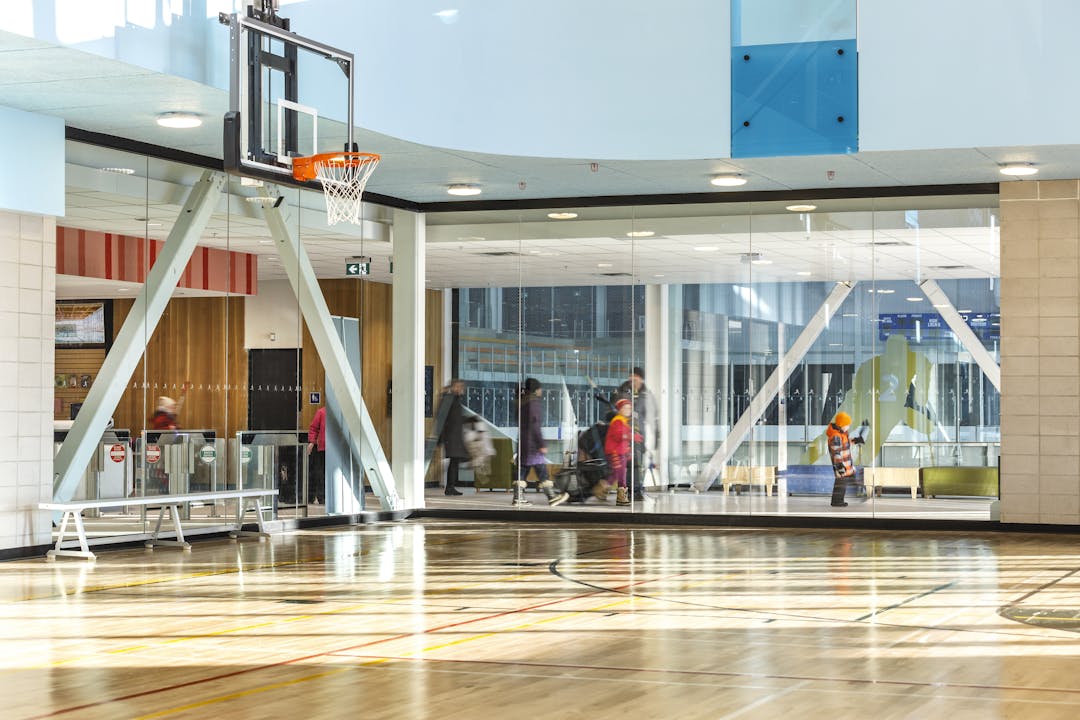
[73, 509]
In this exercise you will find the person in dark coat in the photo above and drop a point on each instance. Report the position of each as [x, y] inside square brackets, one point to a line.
[532, 450]
[450, 431]
[645, 421]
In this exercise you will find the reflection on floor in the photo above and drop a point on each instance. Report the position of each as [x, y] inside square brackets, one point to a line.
[441, 619]
[683, 501]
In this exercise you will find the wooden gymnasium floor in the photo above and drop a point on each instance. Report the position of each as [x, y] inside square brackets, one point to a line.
[467, 620]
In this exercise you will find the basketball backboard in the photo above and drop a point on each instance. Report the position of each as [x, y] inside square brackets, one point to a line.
[288, 96]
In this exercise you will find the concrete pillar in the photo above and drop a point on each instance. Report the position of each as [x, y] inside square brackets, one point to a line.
[1040, 351]
[407, 446]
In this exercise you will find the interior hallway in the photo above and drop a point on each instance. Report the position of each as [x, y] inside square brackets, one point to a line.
[442, 619]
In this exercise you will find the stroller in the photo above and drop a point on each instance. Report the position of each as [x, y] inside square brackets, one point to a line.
[587, 466]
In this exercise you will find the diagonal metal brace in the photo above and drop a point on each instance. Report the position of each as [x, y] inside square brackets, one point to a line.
[127, 349]
[317, 316]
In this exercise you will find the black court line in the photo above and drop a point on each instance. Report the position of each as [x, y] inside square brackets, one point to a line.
[913, 598]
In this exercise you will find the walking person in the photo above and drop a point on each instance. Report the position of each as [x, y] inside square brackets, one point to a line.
[840, 452]
[618, 444]
[645, 418]
[317, 457]
[450, 431]
[532, 450]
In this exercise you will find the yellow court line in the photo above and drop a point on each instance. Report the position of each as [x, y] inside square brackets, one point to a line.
[187, 638]
[368, 663]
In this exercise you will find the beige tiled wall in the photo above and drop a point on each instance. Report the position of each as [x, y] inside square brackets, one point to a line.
[27, 312]
[1040, 352]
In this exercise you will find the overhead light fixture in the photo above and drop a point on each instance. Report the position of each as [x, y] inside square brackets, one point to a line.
[603, 265]
[640, 233]
[118, 170]
[263, 200]
[464, 189]
[727, 180]
[761, 261]
[266, 242]
[706, 248]
[659, 275]
[941, 305]
[965, 312]
[804, 273]
[1018, 169]
[802, 208]
[850, 315]
[914, 299]
[179, 120]
[562, 215]
[885, 291]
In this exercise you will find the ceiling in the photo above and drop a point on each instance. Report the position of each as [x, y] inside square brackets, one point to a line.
[470, 248]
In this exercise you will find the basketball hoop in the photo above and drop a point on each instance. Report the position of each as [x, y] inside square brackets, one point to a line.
[343, 176]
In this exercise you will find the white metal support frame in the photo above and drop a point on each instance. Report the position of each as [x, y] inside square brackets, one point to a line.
[771, 388]
[410, 238]
[338, 374]
[964, 334]
[127, 349]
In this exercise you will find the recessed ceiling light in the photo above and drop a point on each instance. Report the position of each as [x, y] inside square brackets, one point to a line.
[122, 290]
[706, 248]
[885, 291]
[464, 189]
[1018, 169]
[728, 180]
[562, 215]
[118, 170]
[914, 299]
[265, 242]
[804, 273]
[603, 264]
[659, 275]
[761, 261]
[179, 120]
[942, 305]
[850, 315]
[472, 238]
[534, 252]
[640, 233]
[836, 344]
[802, 208]
[962, 312]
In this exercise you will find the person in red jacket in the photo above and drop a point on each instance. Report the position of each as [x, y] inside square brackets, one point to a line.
[317, 457]
[618, 445]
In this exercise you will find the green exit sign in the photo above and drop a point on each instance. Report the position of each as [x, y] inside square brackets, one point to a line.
[356, 269]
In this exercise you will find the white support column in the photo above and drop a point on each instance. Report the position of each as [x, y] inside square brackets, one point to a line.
[771, 388]
[408, 355]
[964, 334]
[338, 374]
[127, 349]
[658, 366]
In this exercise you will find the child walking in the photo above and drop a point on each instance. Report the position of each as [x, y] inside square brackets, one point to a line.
[617, 447]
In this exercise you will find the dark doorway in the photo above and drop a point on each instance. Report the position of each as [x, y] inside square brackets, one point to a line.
[274, 384]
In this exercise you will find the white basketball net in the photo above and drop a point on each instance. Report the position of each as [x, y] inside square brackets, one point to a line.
[343, 185]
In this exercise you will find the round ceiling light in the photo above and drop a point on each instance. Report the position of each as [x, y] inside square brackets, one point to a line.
[179, 120]
[802, 208]
[1018, 169]
[562, 215]
[464, 189]
[727, 180]
[640, 233]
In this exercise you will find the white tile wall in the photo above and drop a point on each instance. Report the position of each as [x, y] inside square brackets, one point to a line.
[1040, 367]
[27, 294]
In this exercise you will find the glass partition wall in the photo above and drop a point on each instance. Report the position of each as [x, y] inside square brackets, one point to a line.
[227, 380]
[751, 326]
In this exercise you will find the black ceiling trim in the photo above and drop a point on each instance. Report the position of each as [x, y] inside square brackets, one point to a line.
[160, 152]
[166, 153]
[713, 197]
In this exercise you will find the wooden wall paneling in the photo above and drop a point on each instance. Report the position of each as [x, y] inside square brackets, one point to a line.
[197, 344]
[75, 370]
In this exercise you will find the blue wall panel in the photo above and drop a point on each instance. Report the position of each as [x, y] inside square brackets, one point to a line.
[794, 99]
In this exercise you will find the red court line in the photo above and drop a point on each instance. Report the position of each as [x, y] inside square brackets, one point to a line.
[720, 673]
[190, 683]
